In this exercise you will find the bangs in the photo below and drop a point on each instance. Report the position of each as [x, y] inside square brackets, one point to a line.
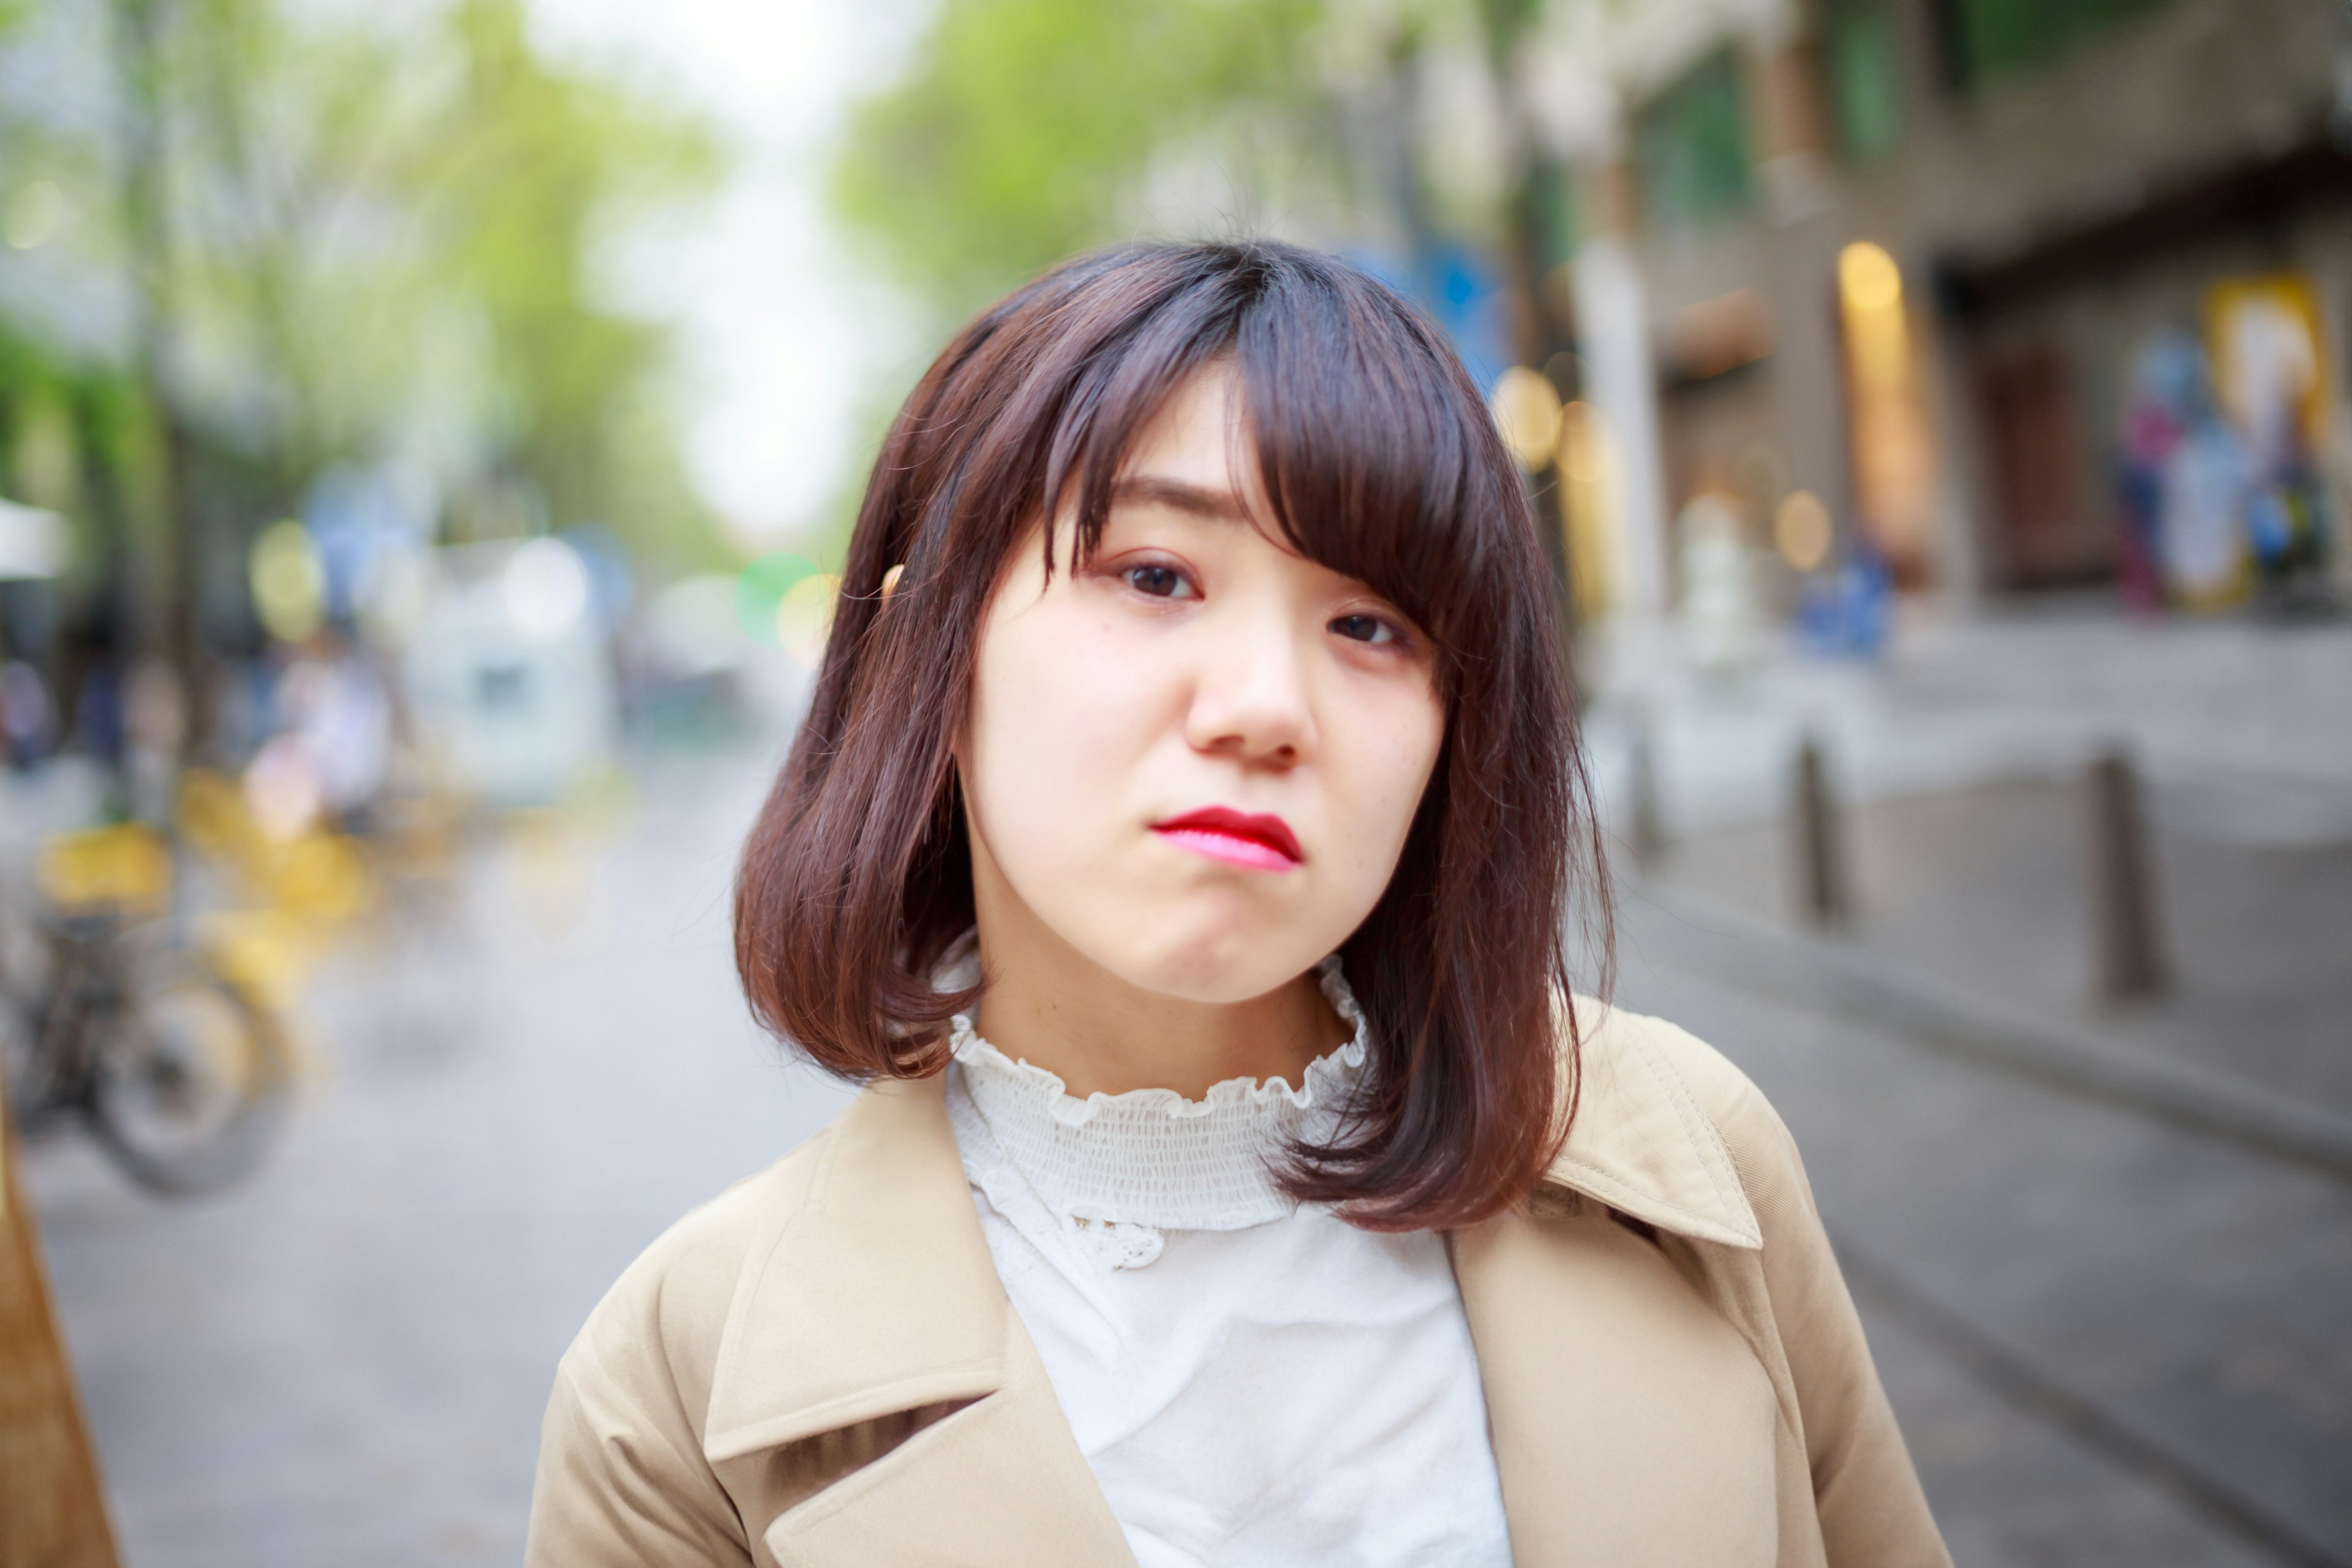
[1377, 455]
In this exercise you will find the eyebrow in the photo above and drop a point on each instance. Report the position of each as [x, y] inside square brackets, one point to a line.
[1152, 490]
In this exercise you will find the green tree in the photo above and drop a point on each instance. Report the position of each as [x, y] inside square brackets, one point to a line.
[1026, 130]
[409, 247]
[520, 173]
[1022, 127]
[352, 236]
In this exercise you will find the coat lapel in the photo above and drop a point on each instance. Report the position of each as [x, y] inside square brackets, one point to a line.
[879, 1298]
[1633, 1423]
[1000, 1482]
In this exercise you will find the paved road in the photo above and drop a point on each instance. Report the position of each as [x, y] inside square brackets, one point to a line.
[345, 1360]
[2110, 1342]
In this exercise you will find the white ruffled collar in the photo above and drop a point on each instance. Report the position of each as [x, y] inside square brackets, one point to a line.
[1149, 1157]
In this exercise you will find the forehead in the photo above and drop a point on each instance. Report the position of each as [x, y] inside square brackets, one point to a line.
[1366, 463]
[1198, 449]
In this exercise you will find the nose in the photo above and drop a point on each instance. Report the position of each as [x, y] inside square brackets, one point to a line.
[1250, 696]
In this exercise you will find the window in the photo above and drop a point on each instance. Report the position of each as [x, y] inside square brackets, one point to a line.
[1984, 39]
[1690, 148]
[1864, 86]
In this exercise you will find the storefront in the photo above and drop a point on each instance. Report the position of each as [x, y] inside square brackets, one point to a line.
[2156, 398]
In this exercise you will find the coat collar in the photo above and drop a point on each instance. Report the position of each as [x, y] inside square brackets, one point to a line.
[878, 1295]
[1640, 1142]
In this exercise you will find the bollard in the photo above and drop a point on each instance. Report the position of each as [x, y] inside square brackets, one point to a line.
[1821, 847]
[2130, 952]
[1648, 825]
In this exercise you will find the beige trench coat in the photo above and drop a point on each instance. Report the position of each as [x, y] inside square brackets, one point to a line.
[820, 1368]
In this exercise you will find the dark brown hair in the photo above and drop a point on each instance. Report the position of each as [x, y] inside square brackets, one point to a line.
[1381, 463]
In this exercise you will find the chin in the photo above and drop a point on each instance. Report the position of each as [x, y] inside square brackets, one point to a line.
[1218, 960]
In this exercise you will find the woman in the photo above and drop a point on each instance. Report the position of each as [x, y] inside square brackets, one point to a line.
[1180, 846]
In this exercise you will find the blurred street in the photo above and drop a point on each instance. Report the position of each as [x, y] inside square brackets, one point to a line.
[429, 442]
[2111, 1339]
[344, 1359]
[2104, 1248]
[1956, 768]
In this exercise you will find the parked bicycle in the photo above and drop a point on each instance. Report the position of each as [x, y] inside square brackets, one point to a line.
[108, 1016]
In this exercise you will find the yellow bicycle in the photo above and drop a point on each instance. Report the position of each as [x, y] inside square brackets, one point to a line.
[108, 1016]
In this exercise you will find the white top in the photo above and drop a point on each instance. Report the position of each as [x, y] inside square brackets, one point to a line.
[1254, 1381]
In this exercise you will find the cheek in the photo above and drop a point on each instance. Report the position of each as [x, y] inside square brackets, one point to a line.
[1059, 722]
[1381, 762]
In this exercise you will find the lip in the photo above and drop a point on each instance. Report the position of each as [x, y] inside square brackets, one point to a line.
[1258, 840]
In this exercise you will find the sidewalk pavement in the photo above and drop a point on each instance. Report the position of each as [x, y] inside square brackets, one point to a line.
[2103, 1252]
[2245, 728]
[1959, 761]
[1986, 890]
[2110, 1340]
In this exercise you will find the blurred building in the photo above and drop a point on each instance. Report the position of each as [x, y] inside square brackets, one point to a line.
[2026, 293]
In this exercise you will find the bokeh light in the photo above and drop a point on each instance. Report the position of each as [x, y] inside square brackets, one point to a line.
[282, 789]
[805, 617]
[761, 588]
[34, 216]
[1527, 409]
[288, 582]
[1868, 277]
[1801, 530]
[545, 587]
[34, 544]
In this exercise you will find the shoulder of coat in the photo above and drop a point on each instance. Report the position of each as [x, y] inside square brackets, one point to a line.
[1610, 1033]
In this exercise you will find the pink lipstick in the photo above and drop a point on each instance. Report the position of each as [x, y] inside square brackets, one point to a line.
[1258, 840]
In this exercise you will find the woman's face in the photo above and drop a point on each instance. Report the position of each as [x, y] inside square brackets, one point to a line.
[1195, 760]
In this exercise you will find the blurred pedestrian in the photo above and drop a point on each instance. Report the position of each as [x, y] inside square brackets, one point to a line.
[155, 728]
[27, 716]
[98, 726]
[1722, 620]
[328, 758]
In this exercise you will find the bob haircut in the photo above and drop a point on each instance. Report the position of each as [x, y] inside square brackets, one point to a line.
[1379, 462]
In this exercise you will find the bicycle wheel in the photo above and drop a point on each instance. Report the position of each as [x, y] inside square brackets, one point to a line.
[188, 1076]
[28, 1071]
[38, 1080]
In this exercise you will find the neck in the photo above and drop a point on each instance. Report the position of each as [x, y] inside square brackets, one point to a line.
[1049, 1005]
[1110, 1037]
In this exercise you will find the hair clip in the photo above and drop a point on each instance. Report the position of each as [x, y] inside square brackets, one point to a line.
[890, 581]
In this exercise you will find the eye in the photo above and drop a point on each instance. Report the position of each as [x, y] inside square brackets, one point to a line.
[1365, 629]
[1159, 582]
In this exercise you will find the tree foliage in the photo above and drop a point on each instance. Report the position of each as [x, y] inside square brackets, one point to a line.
[360, 236]
[520, 175]
[1022, 127]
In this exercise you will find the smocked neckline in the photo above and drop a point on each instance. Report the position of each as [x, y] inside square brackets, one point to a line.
[1149, 1157]
[1329, 1073]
